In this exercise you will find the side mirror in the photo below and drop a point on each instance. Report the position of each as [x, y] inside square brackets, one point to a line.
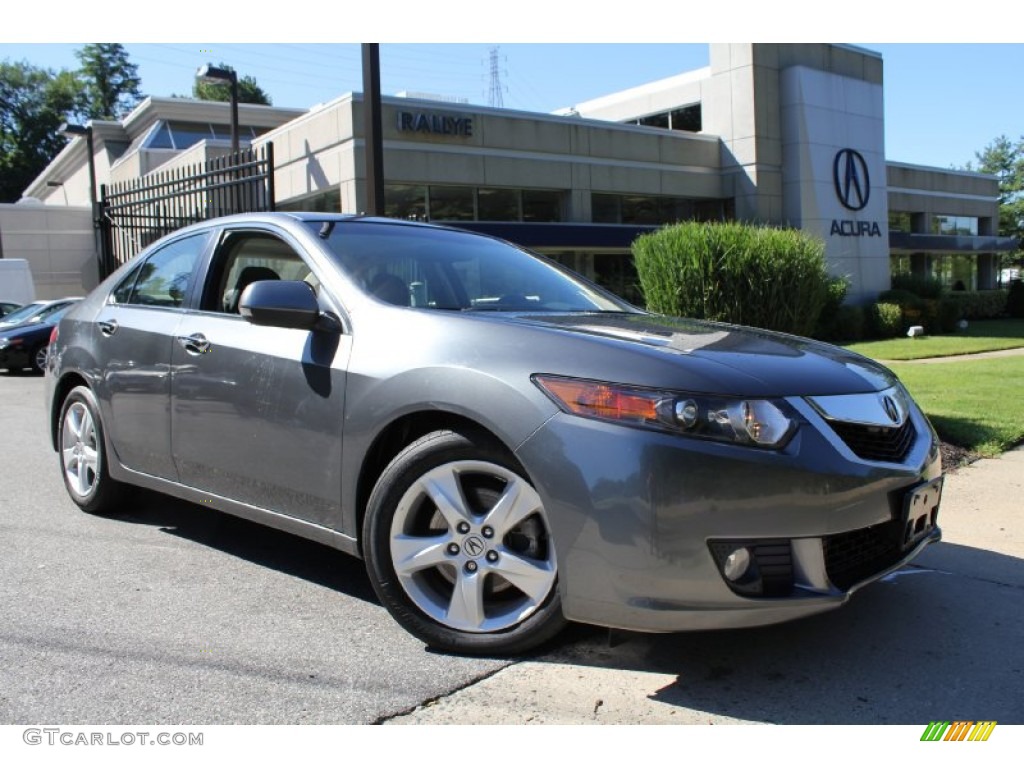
[280, 303]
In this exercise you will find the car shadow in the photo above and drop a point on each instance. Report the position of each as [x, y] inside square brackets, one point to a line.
[258, 544]
[935, 642]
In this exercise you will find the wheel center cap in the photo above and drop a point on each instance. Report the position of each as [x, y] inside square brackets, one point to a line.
[473, 546]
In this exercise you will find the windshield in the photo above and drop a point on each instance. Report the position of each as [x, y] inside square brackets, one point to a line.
[448, 270]
[51, 314]
[23, 314]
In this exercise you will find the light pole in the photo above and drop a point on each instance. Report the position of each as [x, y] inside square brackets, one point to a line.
[223, 76]
[72, 131]
[372, 132]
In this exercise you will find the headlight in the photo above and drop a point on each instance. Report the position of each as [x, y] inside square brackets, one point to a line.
[4, 343]
[734, 420]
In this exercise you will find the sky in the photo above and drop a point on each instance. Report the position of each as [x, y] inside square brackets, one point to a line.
[943, 102]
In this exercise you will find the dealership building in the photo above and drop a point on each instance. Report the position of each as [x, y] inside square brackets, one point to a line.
[788, 135]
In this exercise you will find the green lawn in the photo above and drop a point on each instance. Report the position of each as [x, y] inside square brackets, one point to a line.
[980, 336]
[977, 404]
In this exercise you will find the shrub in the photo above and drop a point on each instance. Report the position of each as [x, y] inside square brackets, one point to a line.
[925, 287]
[948, 315]
[885, 320]
[735, 273]
[902, 297]
[980, 305]
[1015, 299]
[850, 323]
[827, 320]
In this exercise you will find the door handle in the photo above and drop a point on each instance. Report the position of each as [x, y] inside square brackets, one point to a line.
[196, 344]
[107, 327]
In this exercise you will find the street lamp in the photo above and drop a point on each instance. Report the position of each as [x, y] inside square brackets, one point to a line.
[222, 76]
[73, 131]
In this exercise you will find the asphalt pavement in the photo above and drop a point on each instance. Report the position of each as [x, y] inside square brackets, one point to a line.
[176, 614]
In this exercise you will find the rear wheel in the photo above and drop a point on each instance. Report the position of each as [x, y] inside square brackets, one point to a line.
[83, 458]
[459, 547]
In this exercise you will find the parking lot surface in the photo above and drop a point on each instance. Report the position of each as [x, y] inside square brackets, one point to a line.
[174, 613]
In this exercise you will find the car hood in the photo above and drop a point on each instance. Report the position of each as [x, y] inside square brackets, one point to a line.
[733, 359]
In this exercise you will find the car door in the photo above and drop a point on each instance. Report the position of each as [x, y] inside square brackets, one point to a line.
[132, 338]
[257, 411]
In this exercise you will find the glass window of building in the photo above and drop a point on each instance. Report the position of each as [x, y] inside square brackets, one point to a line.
[899, 264]
[955, 225]
[542, 205]
[899, 221]
[451, 204]
[640, 209]
[617, 273]
[497, 204]
[956, 271]
[683, 119]
[655, 121]
[686, 119]
[160, 138]
[405, 201]
[605, 209]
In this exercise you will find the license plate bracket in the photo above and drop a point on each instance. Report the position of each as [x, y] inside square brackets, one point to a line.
[920, 511]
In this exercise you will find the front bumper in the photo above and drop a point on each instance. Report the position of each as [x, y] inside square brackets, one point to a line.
[634, 515]
[14, 358]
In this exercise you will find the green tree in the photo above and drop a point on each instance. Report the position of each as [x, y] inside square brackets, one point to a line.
[1004, 159]
[249, 91]
[33, 104]
[110, 81]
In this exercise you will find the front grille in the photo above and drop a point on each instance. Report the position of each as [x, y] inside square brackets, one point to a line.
[876, 443]
[857, 555]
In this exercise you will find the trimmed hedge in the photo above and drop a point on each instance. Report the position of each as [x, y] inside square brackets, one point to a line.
[735, 273]
[850, 323]
[1015, 299]
[980, 305]
[925, 287]
[885, 320]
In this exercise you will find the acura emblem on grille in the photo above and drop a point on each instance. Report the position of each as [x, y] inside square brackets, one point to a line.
[892, 409]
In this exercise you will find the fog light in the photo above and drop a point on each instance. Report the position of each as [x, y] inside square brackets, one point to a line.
[736, 564]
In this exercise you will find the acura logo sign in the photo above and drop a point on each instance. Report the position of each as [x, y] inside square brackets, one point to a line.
[853, 183]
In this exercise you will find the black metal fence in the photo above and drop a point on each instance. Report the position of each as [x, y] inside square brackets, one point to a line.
[135, 213]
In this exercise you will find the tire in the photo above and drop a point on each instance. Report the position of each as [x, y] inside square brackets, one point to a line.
[83, 457]
[459, 549]
[38, 358]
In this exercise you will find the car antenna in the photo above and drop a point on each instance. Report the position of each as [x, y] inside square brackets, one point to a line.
[325, 229]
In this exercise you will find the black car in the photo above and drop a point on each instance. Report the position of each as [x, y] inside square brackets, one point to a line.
[6, 307]
[24, 346]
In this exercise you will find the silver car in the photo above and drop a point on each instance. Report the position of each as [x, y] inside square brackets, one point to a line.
[506, 445]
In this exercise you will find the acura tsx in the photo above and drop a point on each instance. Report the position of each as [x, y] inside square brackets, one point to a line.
[506, 445]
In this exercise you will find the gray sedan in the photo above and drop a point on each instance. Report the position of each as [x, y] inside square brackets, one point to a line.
[506, 445]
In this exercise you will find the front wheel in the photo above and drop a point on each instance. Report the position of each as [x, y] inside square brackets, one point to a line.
[459, 547]
[39, 358]
[83, 458]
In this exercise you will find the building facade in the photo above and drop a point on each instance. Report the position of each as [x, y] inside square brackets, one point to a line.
[787, 135]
